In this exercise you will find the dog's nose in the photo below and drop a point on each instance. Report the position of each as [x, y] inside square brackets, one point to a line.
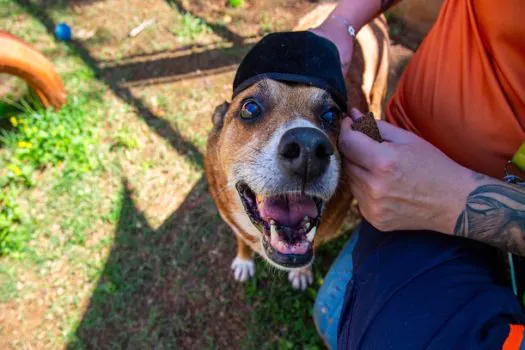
[305, 153]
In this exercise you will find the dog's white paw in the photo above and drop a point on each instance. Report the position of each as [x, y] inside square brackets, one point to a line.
[301, 278]
[242, 269]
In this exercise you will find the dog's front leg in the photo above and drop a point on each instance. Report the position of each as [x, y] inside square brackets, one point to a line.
[243, 266]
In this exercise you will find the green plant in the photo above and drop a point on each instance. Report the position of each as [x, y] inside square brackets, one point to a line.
[46, 138]
[7, 284]
[189, 28]
[12, 231]
[276, 303]
[34, 139]
[124, 138]
[266, 25]
[235, 3]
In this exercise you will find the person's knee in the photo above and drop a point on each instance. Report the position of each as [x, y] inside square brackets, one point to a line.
[426, 287]
[328, 304]
[326, 318]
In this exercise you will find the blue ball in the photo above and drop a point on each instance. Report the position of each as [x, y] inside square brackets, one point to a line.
[63, 32]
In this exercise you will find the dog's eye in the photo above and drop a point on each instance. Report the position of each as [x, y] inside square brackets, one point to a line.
[250, 109]
[329, 117]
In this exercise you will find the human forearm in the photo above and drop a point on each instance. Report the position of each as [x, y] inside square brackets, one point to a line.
[494, 213]
[405, 183]
[360, 12]
[355, 13]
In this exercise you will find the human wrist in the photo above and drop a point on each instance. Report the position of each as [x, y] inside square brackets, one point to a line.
[463, 182]
[338, 33]
[347, 14]
[350, 16]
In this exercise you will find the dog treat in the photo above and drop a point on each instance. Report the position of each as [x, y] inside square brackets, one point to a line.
[368, 126]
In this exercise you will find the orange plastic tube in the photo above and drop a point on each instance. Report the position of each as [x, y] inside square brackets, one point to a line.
[19, 58]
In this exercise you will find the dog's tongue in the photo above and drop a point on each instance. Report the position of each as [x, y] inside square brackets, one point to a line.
[287, 210]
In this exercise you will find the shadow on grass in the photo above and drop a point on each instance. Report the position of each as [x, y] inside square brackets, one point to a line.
[63, 4]
[219, 29]
[170, 287]
[162, 288]
[172, 66]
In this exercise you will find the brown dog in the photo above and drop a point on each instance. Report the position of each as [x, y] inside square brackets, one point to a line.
[252, 167]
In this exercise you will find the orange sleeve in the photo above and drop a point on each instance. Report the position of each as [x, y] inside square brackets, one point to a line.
[514, 340]
[464, 89]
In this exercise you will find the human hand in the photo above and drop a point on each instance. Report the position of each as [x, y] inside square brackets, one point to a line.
[404, 183]
[337, 34]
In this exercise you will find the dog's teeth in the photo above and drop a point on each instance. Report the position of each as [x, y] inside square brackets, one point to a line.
[306, 223]
[310, 235]
[273, 231]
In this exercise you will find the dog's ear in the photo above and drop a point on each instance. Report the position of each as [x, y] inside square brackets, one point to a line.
[218, 114]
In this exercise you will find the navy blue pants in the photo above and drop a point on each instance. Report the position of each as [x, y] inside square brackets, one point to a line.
[415, 290]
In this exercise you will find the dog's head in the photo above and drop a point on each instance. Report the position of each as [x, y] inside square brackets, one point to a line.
[274, 164]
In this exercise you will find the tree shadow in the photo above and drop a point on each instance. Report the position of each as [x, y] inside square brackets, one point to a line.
[60, 4]
[172, 66]
[219, 29]
[190, 47]
[164, 288]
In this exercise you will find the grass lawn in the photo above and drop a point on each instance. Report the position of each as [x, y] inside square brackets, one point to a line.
[108, 237]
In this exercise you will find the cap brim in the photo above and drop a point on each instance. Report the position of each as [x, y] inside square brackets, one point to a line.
[294, 78]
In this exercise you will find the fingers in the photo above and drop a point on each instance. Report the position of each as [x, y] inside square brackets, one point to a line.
[356, 147]
[356, 177]
[356, 173]
[346, 124]
[355, 114]
[389, 132]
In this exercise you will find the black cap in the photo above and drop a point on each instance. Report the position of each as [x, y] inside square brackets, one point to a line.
[297, 57]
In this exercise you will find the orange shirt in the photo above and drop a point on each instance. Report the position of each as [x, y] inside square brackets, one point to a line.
[464, 89]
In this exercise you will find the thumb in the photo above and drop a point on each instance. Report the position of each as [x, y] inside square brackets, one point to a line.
[356, 146]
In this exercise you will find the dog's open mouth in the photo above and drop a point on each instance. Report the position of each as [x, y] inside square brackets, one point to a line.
[288, 223]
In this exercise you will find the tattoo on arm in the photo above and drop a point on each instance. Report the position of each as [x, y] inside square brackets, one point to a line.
[495, 214]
